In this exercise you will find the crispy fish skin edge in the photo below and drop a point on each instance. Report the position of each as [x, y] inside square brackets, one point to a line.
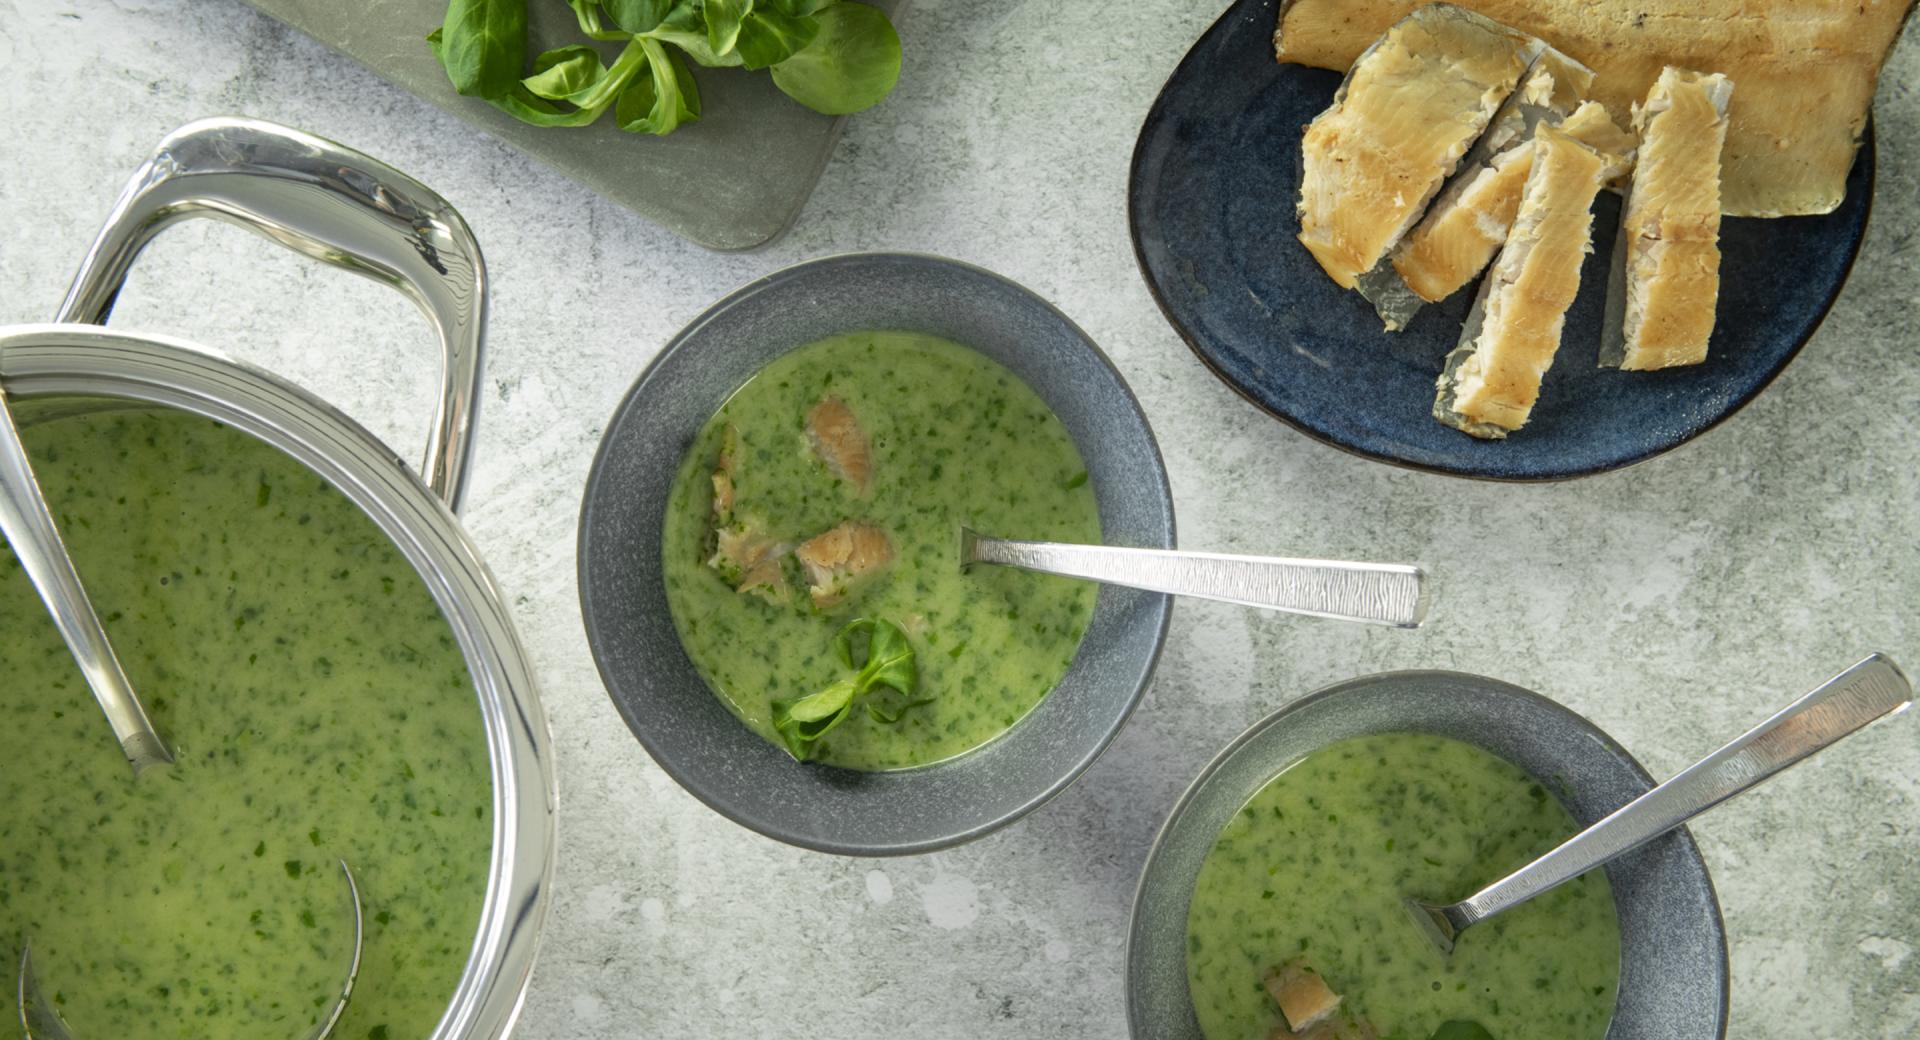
[1613, 316]
[1445, 394]
[1530, 49]
[1393, 299]
[1445, 388]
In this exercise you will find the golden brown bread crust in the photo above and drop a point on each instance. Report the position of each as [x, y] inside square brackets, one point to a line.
[1806, 69]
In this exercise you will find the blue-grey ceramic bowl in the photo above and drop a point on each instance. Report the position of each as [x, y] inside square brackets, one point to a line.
[1216, 174]
[654, 685]
[1673, 947]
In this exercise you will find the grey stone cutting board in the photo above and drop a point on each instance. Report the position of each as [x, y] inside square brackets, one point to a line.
[734, 180]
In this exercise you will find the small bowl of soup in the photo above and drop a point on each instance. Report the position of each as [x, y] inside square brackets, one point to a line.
[1272, 904]
[769, 554]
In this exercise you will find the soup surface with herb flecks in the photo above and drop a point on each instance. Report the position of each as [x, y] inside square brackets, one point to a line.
[318, 709]
[1315, 868]
[812, 550]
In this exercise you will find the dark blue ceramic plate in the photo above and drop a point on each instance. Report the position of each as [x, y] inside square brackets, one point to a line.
[1215, 177]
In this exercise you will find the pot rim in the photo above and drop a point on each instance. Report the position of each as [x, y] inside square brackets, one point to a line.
[58, 360]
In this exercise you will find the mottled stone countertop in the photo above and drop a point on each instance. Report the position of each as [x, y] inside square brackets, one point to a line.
[1673, 603]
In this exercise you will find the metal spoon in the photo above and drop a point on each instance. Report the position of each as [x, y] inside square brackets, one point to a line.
[41, 1020]
[1840, 707]
[28, 526]
[1375, 593]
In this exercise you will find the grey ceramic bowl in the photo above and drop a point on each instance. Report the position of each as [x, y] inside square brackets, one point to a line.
[666, 703]
[1673, 946]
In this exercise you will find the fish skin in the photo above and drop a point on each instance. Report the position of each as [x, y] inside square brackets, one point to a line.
[1455, 243]
[1422, 267]
[1491, 381]
[1466, 226]
[1411, 106]
[1664, 287]
[1468, 221]
[838, 440]
[842, 559]
[1807, 71]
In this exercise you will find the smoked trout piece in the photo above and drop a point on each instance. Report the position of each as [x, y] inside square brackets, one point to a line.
[1466, 223]
[1304, 997]
[841, 560]
[1592, 125]
[1492, 379]
[1469, 222]
[750, 559]
[1410, 107]
[1806, 69]
[837, 438]
[723, 472]
[1389, 286]
[1665, 281]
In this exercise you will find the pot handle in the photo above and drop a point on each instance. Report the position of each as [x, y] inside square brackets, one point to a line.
[327, 202]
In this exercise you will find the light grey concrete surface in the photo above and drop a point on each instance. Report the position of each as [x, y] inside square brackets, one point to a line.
[1674, 603]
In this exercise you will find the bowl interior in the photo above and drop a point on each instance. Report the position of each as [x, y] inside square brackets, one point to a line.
[667, 704]
[1673, 971]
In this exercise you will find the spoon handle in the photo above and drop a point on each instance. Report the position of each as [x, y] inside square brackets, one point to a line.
[1840, 707]
[29, 530]
[1377, 593]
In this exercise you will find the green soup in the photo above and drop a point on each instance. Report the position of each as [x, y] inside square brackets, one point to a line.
[318, 709]
[1315, 868]
[955, 439]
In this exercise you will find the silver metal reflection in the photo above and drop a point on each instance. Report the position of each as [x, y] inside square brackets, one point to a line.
[1839, 707]
[1374, 593]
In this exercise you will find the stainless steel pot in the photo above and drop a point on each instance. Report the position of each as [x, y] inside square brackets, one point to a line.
[337, 205]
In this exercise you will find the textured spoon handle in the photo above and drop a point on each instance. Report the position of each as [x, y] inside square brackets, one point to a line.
[30, 531]
[1839, 708]
[1378, 593]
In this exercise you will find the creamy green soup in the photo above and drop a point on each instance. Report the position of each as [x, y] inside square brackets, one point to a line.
[318, 709]
[1315, 868]
[955, 439]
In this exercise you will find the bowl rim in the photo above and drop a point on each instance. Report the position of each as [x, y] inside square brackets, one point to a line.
[1159, 603]
[1867, 152]
[1135, 926]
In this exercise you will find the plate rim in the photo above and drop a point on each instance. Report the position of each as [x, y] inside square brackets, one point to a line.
[1866, 152]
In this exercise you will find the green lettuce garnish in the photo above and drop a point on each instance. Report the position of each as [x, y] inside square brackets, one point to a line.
[886, 664]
